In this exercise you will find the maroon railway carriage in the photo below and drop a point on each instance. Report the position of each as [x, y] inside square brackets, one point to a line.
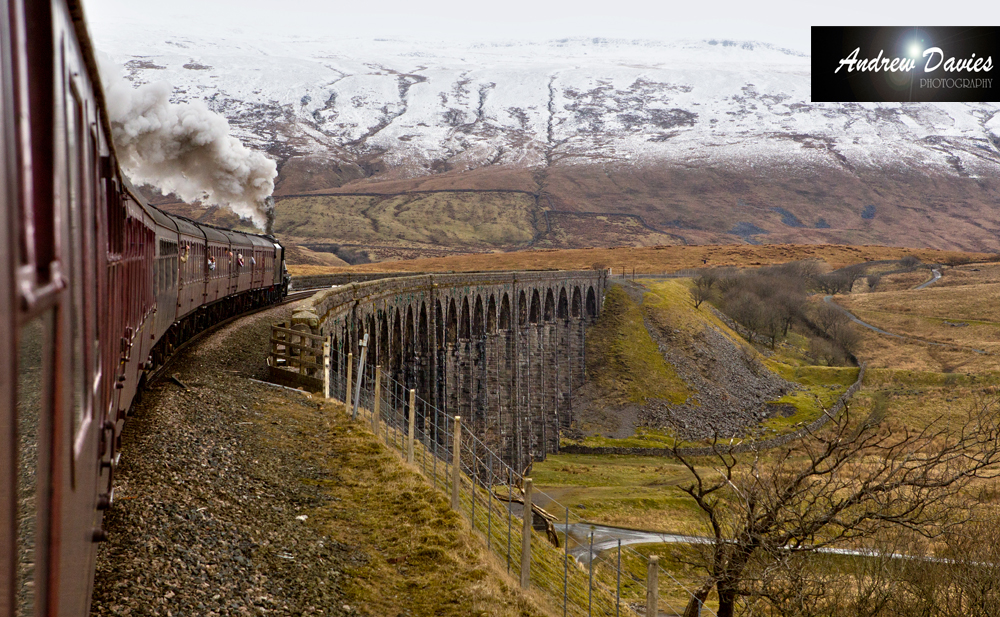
[97, 288]
[217, 286]
[191, 269]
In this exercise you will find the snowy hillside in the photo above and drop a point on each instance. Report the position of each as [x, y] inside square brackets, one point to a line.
[423, 107]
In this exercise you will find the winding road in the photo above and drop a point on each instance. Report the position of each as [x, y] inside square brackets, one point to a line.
[606, 538]
[936, 275]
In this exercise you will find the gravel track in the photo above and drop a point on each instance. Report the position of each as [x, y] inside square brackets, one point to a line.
[204, 521]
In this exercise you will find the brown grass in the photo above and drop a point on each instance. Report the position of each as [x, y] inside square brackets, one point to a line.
[435, 220]
[418, 556]
[977, 302]
[926, 314]
[976, 273]
[901, 281]
[880, 351]
[649, 259]
[701, 204]
[965, 295]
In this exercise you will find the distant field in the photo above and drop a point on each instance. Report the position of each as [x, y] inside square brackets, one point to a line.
[976, 273]
[474, 220]
[901, 281]
[655, 259]
[960, 311]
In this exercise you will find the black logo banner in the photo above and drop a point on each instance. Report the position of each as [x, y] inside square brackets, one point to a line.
[898, 64]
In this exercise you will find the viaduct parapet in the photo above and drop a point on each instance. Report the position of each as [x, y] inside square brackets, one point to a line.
[504, 350]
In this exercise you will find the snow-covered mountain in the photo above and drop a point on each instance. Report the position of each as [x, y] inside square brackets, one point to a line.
[683, 141]
[715, 102]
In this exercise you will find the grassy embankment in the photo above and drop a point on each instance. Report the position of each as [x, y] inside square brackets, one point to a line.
[626, 366]
[415, 553]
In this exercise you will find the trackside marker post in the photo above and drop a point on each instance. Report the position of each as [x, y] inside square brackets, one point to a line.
[526, 537]
[326, 369]
[378, 398]
[456, 464]
[361, 376]
[347, 390]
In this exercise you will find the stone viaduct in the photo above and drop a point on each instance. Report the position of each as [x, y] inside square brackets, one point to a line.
[504, 350]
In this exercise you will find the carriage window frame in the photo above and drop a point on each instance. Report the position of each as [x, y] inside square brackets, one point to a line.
[80, 309]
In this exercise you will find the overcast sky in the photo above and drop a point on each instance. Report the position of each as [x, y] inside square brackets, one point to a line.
[781, 22]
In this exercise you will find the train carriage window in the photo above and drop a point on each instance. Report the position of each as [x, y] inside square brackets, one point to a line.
[93, 254]
[74, 190]
[115, 214]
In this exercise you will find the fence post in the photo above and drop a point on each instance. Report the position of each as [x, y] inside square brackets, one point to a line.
[361, 376]
[618, 580]
[456, 464]
[326, 369]
[566, 565]
[652, 585]
[413, 422]
[378, 399]
[347, 391]
[590, 576]
[526, 537]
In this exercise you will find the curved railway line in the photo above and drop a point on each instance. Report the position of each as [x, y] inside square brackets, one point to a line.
[160, 372]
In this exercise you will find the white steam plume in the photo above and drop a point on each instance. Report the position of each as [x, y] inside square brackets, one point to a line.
[185, 148]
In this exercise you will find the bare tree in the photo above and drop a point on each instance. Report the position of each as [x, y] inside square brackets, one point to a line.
[829, 318]
[699, 294]
[706, 279]
[852, 273]
[874, 281]
[789, 306]
[821, 349]
[833, 283]
[847, 338]
[703, 284]
[849, 482]
[745, 307]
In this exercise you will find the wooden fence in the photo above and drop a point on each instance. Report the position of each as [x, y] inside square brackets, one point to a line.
[298, 358]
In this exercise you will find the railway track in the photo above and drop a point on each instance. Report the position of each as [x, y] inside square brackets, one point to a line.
[160, 372]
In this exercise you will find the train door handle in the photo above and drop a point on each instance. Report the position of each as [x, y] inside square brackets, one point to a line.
[107, 498]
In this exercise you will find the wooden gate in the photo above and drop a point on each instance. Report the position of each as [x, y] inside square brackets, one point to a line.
[296, 357]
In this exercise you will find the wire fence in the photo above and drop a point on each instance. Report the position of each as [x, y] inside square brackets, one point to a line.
[584, 576]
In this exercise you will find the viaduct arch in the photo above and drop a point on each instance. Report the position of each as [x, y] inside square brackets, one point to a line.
[504, 350]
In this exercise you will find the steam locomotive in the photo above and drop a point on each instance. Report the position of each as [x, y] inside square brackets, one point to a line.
[97, 288]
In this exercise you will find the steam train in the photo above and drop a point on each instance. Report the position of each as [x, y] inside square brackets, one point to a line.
[97, 288]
